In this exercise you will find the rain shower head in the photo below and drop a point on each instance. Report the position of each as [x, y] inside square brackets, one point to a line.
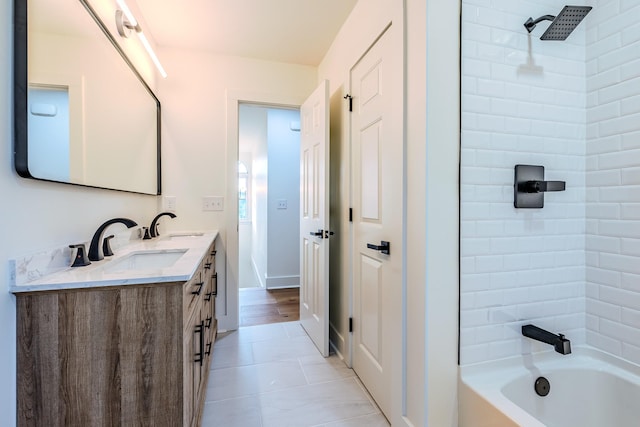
[562, 25]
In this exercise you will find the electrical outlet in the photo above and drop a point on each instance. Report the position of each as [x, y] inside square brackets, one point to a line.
[211, 203]
[282, 203]
[169, 203]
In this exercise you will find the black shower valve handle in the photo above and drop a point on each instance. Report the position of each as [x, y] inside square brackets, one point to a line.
[542, 186]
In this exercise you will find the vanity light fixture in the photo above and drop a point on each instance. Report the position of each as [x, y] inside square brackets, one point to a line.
[125, 22]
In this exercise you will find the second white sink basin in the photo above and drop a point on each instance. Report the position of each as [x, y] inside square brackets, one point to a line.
[145, 260]
[182, 236]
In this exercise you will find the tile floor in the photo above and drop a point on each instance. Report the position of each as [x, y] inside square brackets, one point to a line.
[273, 376]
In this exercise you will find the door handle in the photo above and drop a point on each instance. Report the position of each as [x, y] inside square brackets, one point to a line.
[383, 248]
[318, 233]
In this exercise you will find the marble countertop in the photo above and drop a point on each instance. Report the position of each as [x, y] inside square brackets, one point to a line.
[99, 275]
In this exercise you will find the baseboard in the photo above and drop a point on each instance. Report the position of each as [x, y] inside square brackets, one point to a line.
[276, 282]
[255, 271]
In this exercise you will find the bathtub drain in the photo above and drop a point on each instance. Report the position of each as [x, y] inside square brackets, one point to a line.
[542, 386]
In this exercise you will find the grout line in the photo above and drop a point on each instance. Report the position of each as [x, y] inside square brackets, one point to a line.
[304, 374]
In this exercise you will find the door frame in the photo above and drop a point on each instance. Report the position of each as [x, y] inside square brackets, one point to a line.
[227, 308]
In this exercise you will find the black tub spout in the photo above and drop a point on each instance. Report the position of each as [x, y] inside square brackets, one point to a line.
[559, 342]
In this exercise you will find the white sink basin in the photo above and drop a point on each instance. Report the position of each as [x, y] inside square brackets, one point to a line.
[183, 236]
[145, 260]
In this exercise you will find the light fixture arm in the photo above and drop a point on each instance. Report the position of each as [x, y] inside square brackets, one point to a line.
[125, 23]
[124, 26]
[531, 24]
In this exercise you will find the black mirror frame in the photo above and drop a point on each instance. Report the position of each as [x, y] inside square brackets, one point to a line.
[20, 91]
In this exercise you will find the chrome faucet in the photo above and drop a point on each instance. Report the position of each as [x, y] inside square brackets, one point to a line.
[95, 249]
[153, 229]
[559, 342]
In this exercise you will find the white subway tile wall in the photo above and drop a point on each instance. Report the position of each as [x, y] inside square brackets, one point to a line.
[573, 107]
[524, 101]
[613, 178]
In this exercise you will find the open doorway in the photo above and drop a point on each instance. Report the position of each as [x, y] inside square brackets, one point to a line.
[268, 213]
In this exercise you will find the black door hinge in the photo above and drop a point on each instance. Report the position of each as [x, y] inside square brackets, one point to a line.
[350, 98]
[350, 324]
[350, 214]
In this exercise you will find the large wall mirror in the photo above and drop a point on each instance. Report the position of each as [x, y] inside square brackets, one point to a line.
[83, 114]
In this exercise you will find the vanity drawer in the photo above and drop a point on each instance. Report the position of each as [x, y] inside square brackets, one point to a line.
[210, 259]
[193, 291]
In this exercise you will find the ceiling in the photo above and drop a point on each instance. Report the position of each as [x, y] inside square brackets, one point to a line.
[291, 31]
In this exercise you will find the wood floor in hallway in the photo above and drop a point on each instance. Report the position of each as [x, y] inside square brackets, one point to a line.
[259, 306]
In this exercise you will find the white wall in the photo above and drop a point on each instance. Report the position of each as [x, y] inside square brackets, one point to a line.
[283, 248]
[521, 104]
[38, 215]
[439, 262]
[194, 127]
[613, 178]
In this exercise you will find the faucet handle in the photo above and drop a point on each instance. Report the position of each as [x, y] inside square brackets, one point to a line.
[106, 247]
[146, 233]
[81, 259]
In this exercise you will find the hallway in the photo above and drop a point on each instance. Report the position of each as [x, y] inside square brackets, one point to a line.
[273, 376]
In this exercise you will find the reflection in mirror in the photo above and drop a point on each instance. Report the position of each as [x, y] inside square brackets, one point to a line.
[83, 113]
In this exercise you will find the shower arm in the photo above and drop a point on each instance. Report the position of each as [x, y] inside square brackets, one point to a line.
[531, 24]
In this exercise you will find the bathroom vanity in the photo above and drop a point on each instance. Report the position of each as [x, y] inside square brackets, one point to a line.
[125, 341]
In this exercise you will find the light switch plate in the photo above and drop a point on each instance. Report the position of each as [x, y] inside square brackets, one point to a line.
[169, 203]
[212, 203]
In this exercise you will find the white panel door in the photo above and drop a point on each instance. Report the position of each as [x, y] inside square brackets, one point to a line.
[314, 217]
[377, 160]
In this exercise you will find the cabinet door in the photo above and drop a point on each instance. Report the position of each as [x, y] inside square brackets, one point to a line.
[100, 357]
[209, 323]
[198, 368]
[210, 303]
[150, 354]
[187, 385]
[194, 343]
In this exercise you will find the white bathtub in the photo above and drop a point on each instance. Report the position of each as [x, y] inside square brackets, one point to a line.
[589, 388]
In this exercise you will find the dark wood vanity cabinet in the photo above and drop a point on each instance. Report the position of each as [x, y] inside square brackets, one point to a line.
[134, 355]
